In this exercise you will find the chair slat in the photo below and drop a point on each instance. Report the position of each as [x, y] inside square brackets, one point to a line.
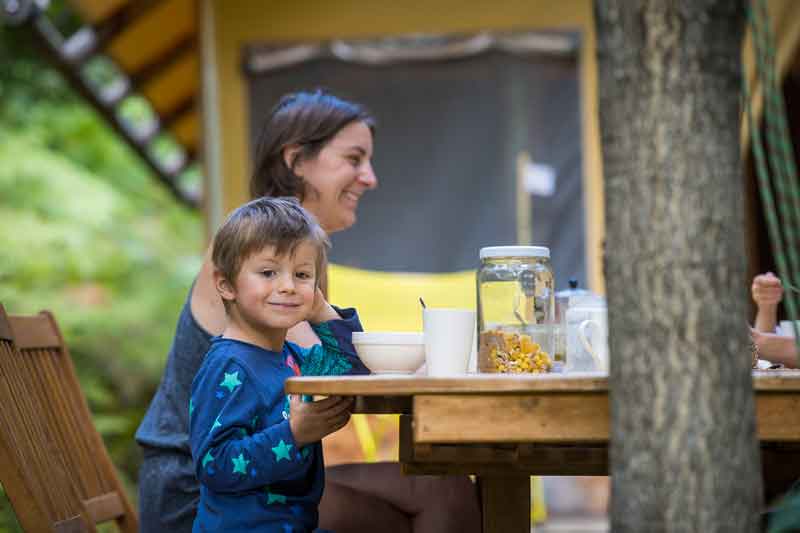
[48, 436]
[27, 504]
[71, 525]
[105, 507]
[34, 332]
[5, 329]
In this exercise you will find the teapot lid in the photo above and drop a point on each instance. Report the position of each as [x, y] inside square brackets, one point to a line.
[573, 290]
[587, 299]
[515, 251]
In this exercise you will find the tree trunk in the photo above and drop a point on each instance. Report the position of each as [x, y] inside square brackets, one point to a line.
[684, 454]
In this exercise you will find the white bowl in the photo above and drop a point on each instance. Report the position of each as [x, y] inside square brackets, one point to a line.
[390, 352]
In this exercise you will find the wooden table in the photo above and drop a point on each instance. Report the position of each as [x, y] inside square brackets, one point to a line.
[505, 428]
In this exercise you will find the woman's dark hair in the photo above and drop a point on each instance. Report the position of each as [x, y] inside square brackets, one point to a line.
[305, 119]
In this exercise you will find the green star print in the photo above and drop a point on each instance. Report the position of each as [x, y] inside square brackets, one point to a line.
[240, 464]
[207, 459]
[281, 451]
[216, 425]
[231, 381]
[273, 498]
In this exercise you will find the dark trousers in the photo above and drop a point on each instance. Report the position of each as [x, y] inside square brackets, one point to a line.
[358, 497]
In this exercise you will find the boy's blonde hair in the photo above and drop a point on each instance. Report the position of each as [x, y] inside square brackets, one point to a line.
[266, 221]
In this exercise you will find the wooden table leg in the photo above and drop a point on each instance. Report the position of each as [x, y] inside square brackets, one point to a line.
[506, 503]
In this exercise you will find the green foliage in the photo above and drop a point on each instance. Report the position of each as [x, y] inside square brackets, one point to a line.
[88, 233]
[8, 522]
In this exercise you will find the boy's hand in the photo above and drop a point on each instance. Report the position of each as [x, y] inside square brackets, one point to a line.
[322, 310]
[767, 290]
[310, 421]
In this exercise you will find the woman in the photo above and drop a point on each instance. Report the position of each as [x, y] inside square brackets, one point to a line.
[318, 148]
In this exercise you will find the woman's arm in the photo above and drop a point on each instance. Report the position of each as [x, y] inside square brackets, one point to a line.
[206, 304]
[303, 335]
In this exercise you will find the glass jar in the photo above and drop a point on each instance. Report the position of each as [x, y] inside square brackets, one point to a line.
[562, 304]
[516, 309]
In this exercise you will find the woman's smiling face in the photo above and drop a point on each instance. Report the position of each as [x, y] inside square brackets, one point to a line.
[336, 179]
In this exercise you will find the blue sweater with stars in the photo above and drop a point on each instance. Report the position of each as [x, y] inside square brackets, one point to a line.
[253, 476]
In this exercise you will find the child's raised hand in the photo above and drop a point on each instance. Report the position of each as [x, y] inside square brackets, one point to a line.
[322, 310]
[767, 289]
[310, 421]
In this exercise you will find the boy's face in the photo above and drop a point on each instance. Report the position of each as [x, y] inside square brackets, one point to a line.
[276, 292]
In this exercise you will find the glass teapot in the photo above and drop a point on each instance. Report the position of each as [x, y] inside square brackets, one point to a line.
[586, 324]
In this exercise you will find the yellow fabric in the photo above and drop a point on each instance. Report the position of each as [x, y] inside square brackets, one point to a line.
[538, 505]
[389, 301]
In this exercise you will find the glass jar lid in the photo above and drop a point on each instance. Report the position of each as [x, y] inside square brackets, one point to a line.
[515, 251]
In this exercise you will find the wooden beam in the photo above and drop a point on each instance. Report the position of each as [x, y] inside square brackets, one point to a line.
[48, 38]
[183, 108]
[409, 385]
[506, 503]
[780, 381]
[497, 460]
[104, 30]
[545, 418]
[144, 74]
[153, 34]
[778, 416]
[181, 80]
[186, 130]
[382, 405]
[94, 11]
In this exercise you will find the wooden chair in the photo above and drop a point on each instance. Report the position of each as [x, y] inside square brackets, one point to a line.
[53, 463]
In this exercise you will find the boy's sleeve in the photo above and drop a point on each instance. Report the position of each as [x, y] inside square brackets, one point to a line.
[336, 355]
[229, 456]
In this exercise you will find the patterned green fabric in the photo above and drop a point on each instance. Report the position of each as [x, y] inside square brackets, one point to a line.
[325, 359]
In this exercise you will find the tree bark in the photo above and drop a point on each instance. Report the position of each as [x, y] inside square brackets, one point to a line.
[684, 454]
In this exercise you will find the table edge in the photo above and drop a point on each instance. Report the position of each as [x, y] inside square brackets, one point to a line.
[410, 385]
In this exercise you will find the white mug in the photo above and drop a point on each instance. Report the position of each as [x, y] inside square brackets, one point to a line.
[596, 343]
[449, 335]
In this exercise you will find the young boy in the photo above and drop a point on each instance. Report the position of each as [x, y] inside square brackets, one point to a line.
[256, 451]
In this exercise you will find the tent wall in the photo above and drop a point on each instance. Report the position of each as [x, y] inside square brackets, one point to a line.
[228, 26]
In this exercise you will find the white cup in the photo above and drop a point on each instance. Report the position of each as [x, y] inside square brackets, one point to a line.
[448, 340]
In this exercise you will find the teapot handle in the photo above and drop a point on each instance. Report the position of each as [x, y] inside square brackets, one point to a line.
[585, 341]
